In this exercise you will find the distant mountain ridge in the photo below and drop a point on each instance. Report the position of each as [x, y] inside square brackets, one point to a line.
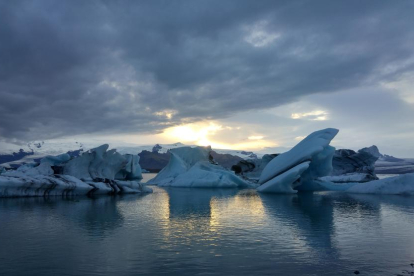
[155, 157]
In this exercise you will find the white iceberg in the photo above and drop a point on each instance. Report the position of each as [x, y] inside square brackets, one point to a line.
[193, 167]
[298, 168]
[101, 163]
[96, 163]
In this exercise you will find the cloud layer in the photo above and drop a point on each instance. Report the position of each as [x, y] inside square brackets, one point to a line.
[77, 67]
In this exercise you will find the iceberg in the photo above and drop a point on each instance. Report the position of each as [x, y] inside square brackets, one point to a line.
[101, 163]
[92, 173]
[346, 161]
[194, 167]
[96, 163]
[298, 168]
[132, 169]
[397, 185]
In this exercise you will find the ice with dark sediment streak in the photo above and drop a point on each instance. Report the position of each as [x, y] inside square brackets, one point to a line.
[346, 161]
[63, 185]
[307, 167]
[89, 174]
[96, 163]
[296, 169]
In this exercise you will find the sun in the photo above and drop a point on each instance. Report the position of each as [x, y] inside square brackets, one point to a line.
[197, 134]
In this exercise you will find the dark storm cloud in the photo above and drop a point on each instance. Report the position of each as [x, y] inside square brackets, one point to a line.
[75, 67]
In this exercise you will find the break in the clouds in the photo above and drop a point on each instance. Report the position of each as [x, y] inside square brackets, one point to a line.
[118, 67]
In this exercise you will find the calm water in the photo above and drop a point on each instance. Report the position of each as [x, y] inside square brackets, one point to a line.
[207, 232]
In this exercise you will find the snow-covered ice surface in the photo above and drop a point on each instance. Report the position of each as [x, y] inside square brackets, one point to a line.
[192, 167]
[313, 155]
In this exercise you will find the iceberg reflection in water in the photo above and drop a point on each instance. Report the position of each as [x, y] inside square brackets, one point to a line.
[207, 231]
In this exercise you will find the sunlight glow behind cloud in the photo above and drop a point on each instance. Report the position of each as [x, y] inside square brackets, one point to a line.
[206, 134]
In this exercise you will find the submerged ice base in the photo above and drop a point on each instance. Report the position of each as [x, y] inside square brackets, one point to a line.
[64, 185]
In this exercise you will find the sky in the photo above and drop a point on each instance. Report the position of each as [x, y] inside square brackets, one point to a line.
[231, 74]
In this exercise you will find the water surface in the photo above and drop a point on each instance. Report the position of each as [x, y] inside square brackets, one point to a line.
[207, 232]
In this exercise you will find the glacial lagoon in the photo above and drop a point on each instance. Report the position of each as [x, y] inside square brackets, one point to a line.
[179, 231]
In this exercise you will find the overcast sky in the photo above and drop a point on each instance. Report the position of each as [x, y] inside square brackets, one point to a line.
[242, 73]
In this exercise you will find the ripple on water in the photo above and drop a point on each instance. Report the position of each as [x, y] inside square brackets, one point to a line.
[207, 232]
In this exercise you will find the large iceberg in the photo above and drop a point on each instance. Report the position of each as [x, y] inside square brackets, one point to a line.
[307, 167]
[298, 168]
[97, 171]
[194, 167]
